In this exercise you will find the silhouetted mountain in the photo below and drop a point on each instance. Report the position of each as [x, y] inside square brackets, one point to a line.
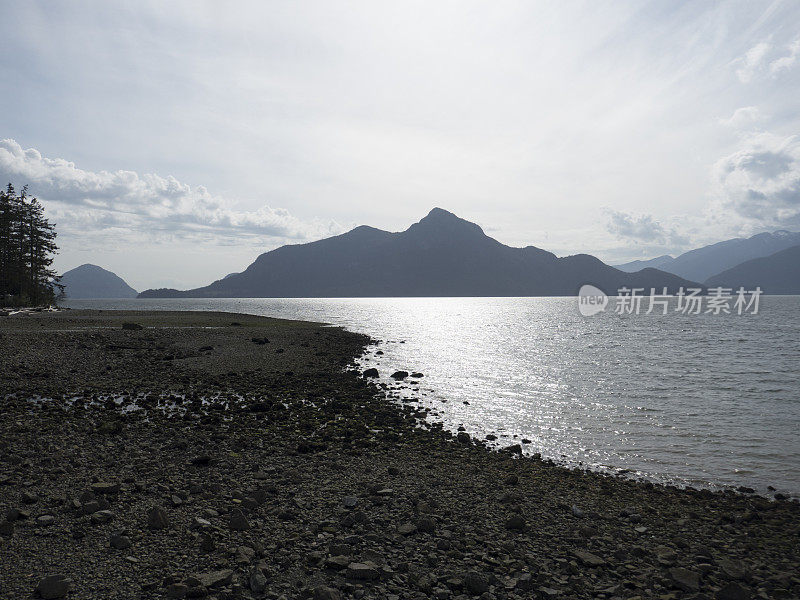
[442, 255]
[702, 263]
[654, 263]
[778, 273]
[91, 281]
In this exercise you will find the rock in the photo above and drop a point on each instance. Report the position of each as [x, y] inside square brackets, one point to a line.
[238, 522]
[516, 522]
[102, 516]
[417, 375]
[109, 427]
[177, 590]
[407, 529]
[337, 563]
[373, 372]
[202, 460]
[588, 559]
[426, 525]
[733, 569]
[45, 520]
[512, 480]
[476, 583]
[119, 541]
[399, 375]
[257, 582]
[577, 511]
[215, 578]
[54, 586]
[513, 449]
[362, 572]
[132, 327]
[16, 514]
[688, 581]
[325, 593]
[732, 591]
[29, 498]
[350, 501]
[157, 518]
[463, 437]
[105, 488]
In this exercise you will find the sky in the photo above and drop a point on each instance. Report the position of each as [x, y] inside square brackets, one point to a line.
[173, 142]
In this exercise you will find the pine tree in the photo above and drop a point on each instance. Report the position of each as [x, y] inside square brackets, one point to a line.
[27, 247]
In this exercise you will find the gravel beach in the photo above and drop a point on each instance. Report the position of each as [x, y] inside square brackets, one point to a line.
[213, 455]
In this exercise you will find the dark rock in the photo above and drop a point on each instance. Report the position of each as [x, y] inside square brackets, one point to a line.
[105, 488]
[463, 437]
[399, 375]
[688, 581]
[215, 578]
[513, 449]
[426, 525]
[407, 529]
[45, 520]
[132, 327]
[157, 518]
[177, 590]
[516, 522]
[373, 372]
[362, 572]
[476, 583]
[238, 521]
[119, 541]
[588, 559]
[732, 591]
[257, 582]
[326, 593]
[54, 586]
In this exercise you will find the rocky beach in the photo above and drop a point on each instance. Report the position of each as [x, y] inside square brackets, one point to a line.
[213, 455]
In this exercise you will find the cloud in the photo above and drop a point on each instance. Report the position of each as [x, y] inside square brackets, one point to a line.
[126, 203]
[643, 229]
[744, 116]
[786, 62]
[752, 61]
[760, 182]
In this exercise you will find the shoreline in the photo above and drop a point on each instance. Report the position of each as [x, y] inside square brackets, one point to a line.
[319, 487]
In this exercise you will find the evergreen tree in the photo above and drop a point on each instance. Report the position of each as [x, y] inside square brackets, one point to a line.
[27, 247]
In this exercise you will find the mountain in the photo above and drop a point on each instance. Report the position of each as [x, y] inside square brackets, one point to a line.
[660, 262]
[91, 281]
[442, 255]
[778, 273]
[702, 263]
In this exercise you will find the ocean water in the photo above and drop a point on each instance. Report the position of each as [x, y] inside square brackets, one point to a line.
[703, 400]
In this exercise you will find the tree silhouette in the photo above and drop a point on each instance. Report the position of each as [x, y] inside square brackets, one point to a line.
[27, 248]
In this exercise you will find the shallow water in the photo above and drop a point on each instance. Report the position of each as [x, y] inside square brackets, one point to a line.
[701, 400]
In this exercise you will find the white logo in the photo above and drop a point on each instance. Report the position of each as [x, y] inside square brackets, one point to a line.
[591, 300]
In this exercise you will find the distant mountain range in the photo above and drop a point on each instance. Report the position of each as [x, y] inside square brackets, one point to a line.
[91, 281]
[708, 261]
[778, 273]
[654, 263]
[441, 255]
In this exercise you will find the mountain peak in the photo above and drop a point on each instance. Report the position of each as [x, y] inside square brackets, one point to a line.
[443, 220]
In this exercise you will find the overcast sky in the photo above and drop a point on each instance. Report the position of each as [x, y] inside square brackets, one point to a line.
[173, 142]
